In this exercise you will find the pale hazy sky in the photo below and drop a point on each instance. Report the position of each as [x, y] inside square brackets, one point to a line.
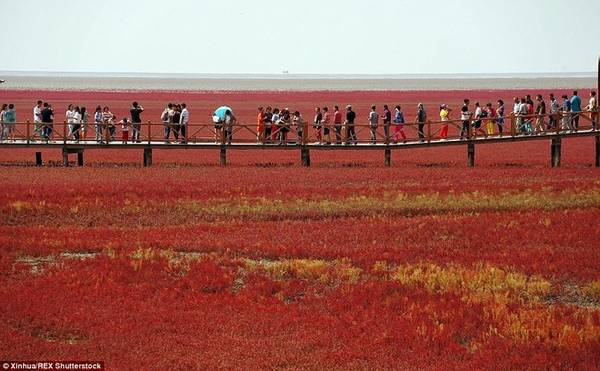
[302, 36]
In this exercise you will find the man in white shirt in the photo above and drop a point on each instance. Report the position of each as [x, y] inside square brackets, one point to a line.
[37, 119]
[183, 121]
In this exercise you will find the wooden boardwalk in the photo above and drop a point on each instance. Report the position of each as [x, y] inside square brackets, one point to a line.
[244, 138]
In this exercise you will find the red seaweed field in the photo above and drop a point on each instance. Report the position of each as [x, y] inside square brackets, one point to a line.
[261, 264]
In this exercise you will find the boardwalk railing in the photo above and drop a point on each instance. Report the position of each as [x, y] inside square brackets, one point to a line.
[74, 138]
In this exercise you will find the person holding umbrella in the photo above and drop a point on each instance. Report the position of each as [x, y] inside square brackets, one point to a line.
[224, 119]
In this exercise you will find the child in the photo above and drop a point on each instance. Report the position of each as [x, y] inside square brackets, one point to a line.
[125, 129]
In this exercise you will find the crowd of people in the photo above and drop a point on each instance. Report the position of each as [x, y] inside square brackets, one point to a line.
[283, 126]
[487, 119]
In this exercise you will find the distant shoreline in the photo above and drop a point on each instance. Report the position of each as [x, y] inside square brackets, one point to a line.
[289, 82]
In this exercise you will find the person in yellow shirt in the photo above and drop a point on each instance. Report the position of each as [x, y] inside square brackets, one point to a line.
[444, 117]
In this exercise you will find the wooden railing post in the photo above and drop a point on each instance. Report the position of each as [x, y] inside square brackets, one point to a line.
[186, 128]
[64, 132]
[471, 154]
[27, 131]
[304, 151]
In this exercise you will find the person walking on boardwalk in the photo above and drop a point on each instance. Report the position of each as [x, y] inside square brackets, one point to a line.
[136, 121]
[522, 118]
[166, 117]
[387, 121]
[478, 119]
[274, 123]
[184, 122]
[98, 124]
[576, 109]
[554, 112]
[69, 119]
[8, 119]
[350, 132]
[76, 123]
[593, 108]
[398, 125]
[373, 123]
[176, 122]
[465, 117]
[85, 118]
[260, 125]
[48, 121]
[500, 116]
[317, 125]
[2, 114]
[108, 123]
[285, 120]
[326, 125]
[124, 129]
[567, 123]
[420, 120]
[268, 124]
[228, 123]
[298, 122]
[444, 117]
[337, 124]
[37, 119]
[540, 112]
[490, 121]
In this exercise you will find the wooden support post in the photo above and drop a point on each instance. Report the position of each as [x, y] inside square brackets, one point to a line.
[64, 133]
[65, 155]
[305, 156]
[555, 152]
[223, 155]
[38, 159]
[80, 157]
[28, 131]
[471, 154]
[388, 157]
[597, 141]
[147, 157]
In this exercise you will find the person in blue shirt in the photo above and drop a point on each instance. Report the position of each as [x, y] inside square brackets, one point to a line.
[566, 111]
[575, 108]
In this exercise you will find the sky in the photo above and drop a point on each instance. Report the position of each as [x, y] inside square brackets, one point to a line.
[304, 36]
